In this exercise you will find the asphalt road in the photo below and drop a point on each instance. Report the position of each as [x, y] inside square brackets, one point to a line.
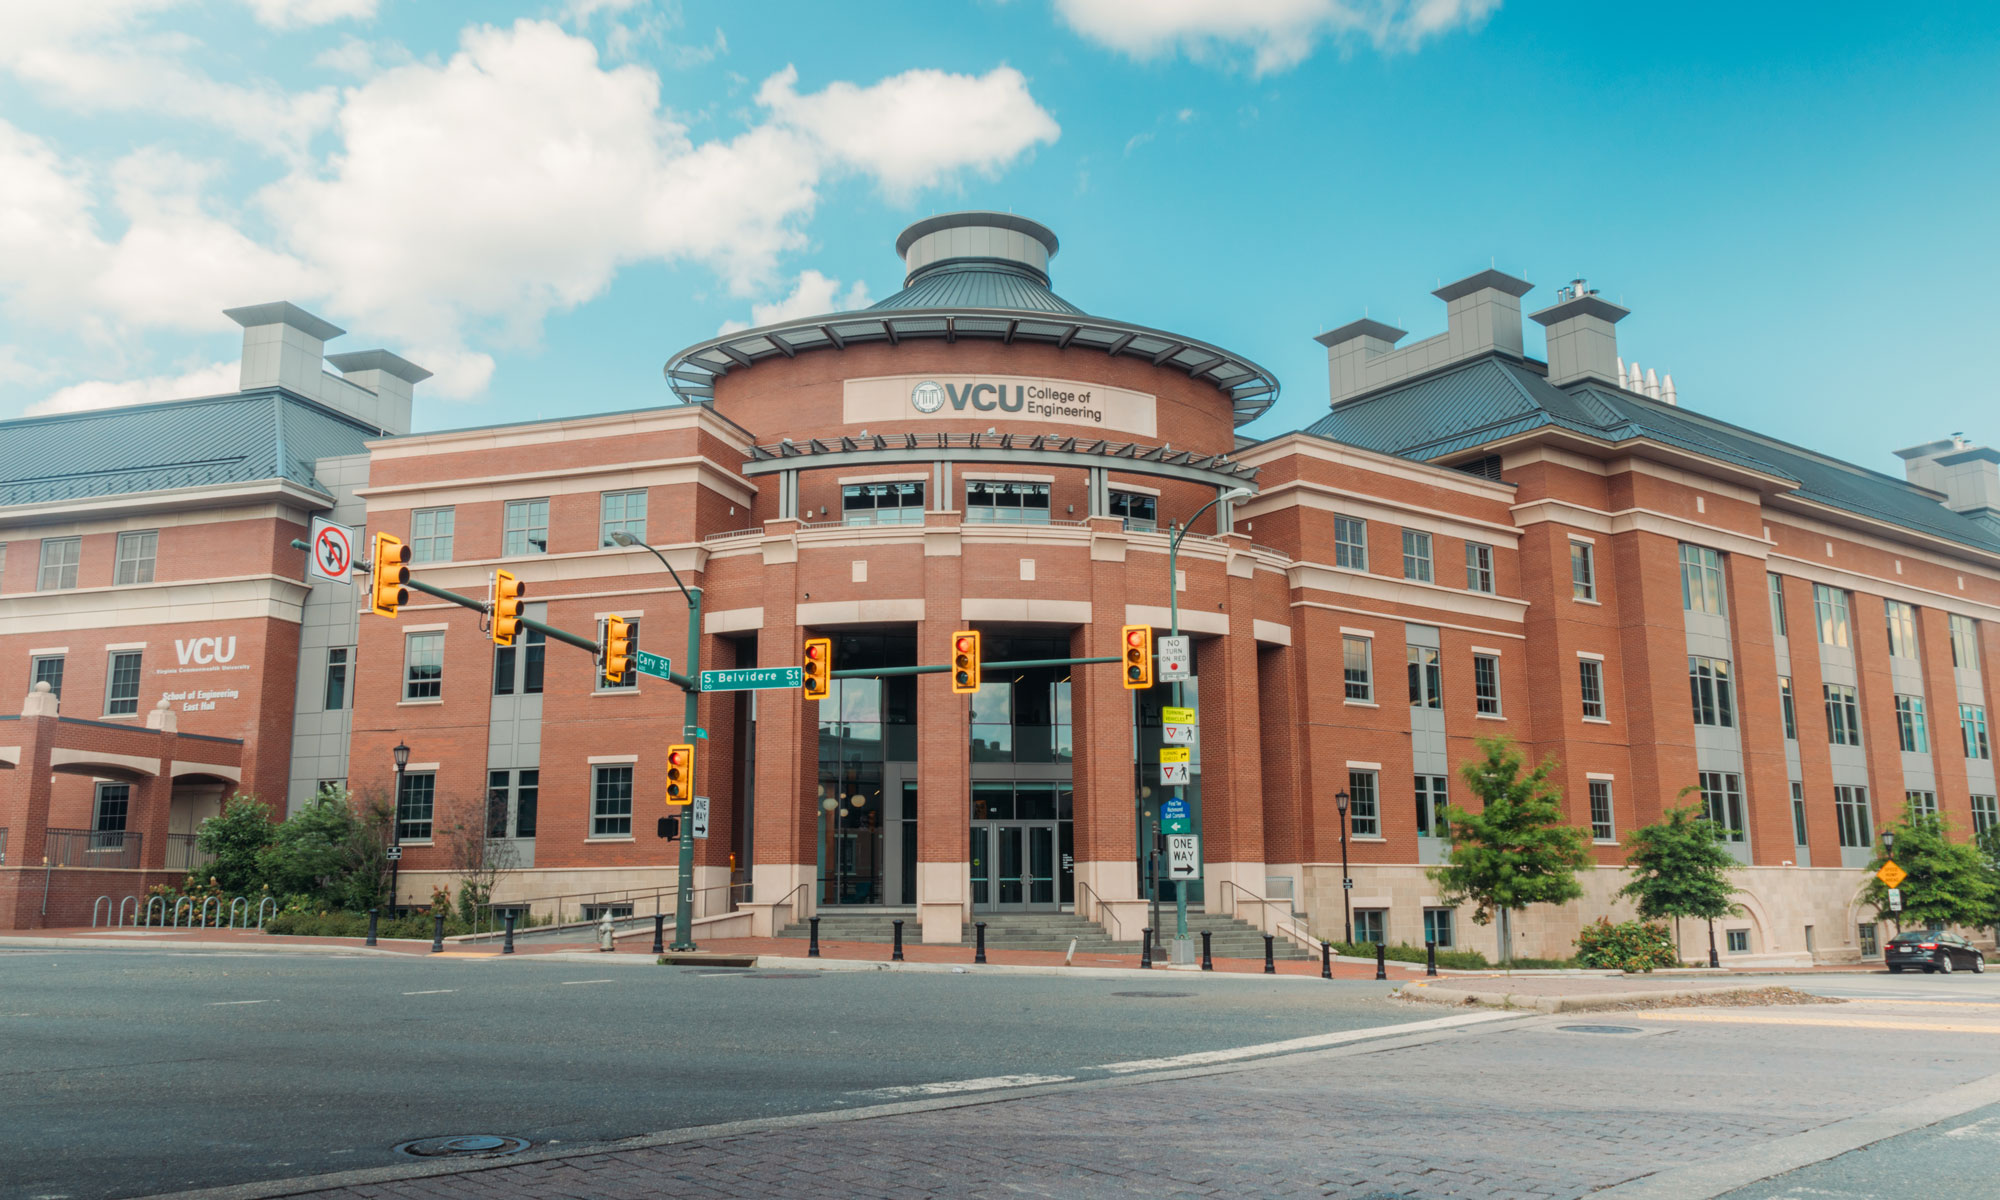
[1952, 1160]
[131, 1072]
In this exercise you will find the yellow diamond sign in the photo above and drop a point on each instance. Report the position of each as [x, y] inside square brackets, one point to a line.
[1892, 875]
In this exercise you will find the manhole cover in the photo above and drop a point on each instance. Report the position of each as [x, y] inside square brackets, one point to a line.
[463, 1144]
[1155, 995]
[1599, 1028]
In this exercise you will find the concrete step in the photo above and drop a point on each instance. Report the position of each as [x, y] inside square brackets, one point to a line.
[1228, 938]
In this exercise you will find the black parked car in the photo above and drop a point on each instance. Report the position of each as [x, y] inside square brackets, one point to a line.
[1929, 950]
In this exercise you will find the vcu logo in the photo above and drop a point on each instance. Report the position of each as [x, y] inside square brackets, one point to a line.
[204, 650]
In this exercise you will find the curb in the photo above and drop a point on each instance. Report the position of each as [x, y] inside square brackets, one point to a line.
[1556, 1004]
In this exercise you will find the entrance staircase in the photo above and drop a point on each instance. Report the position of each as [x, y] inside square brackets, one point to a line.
[1228, 938]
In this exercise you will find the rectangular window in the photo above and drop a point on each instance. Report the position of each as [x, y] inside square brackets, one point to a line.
[415, 802]
[3, 566]
[621, 512]
[1602, 828]
[1430, 807]
[1590, 673]
[1972, 730]
[1350, 543]
[1582, 571]
[1708, 686]
[1843, 715]
[1865, 934]
[1964, 642]
[1138, 510]
[1830, 614]
[1788, 708]
[498, 785]
[527, 528]
[1358, 671]
[531, 647]
[1739, 941]
[336, 678]
[1902, 628]
[611, 802]
[1416, 555]
[1722, 797]
[1777, 603]
[1486, 684]
[527, 799]
[430, 534]
[1007, 503]
[1368, 924]
[1850, 810]
[1478, 567]
[59, 559]
[1985, 814]
[887, 503]
[631, 679]
[1910, 727]
[1798, 813]
[1364, 813]
[1701, 579]
[49, 670]
[1922, 804]
[423, 666]
[112, 808]
[1426, 679]
[1437, 927]
[136, 552]
[121, 695]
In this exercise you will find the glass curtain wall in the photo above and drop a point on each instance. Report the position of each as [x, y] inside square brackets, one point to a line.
[867, 772]
[1022, 838]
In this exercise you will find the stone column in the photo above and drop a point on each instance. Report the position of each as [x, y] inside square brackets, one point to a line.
[944, 745]
[1230, 721]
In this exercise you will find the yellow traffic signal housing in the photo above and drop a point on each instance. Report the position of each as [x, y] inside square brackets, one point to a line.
[965, 661]
[617, 649]
[507, 604]
[1138, 643]
[680, 774]
[818, 668]
[386, 592]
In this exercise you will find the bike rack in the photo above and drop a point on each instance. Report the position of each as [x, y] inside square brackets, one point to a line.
[238, 905]
[184, 902]
[260, 910]
[134, 902]
[162, 902]
[106, 902]
[205, 904]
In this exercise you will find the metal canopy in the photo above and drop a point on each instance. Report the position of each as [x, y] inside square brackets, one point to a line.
[1055, 450]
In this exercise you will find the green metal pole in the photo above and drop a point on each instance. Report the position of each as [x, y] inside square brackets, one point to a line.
[1174, 630]
[684, 909]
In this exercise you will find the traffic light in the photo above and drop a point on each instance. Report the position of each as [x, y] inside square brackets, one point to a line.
[1138, 642]
[507, 593]
[670, 828]
[386, 593]
[680, 774]
[819, 667]
[617, 649]
[965, 661]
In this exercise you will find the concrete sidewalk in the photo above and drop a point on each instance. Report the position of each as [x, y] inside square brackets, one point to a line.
[1572, 993]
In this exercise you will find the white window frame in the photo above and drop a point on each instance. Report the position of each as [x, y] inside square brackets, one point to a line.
[1852, 816]
[65, 563]
[1843, 714]
[624, 522]
[1902, 621]
[418, 647]
[1362, 689]
[1582, 586]
[409, 827]
[1359, 781]
[431, 534]
[1912, 729]
[1972, 731]
[604, 824]
[1417, 556]
[1377, 917]
[1788, 707]
[1590, 677]
[1436, 921]
[1351, 553]
[1922, 801]
[115, 705]
[1710, 693]
[1722, 802]
[1833, 616]
[1964, 641]
[1426, 665]
[1478, 567]
[1603, 811]
[1798, 813]
[1431, 794]
[1779, 626]
[345, 665]
[1985, 813]
[137, 554]
[1486, 700]
[1702, 583]
[517, 526]
[37, 675]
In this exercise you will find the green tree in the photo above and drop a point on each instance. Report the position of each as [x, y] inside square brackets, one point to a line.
[235, 841]
[1517, 850]
[1949, 884]
[1680, 868]
[313, 851]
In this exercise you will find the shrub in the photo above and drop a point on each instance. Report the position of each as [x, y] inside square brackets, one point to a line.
[1455, 960]
[332, 923]
[1626, 946]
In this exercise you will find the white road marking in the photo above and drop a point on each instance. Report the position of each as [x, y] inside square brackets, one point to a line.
[1988, 1130]
[1317, 1041]
[218, 1003]
[575, 982]
[951, 1087]
[431, 992]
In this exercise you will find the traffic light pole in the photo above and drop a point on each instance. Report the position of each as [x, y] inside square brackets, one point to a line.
[1017, 665]
[1183, 948]
[691, 725]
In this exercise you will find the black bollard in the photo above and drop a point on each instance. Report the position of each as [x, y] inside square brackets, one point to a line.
[979, 945]
[896, 955]
[1381, 960]
[659, 933]
[374, 914]
[1270, 960]
[1146, 949]
[812, 946]
[1207, 963]
[507, 946]
[1430, 958]
[1326, 960]
[437, 933]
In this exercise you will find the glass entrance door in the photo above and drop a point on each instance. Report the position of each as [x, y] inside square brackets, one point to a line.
[1013, 866]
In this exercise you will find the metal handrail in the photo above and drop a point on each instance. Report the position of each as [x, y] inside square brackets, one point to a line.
[1255, 898]
[786, 902]
[615, 896]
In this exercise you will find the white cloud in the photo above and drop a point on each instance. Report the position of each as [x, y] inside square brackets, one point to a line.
[210, 380]
[813, 295]
[1275, 34]
[287, 14]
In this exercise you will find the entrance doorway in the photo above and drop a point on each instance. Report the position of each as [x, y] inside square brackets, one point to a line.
[1014, 866]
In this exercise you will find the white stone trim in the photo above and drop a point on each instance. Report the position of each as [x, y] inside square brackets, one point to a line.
[1590, 654]
[1366, 585]
[1270, 631]
[612, 759]
[1399, 620]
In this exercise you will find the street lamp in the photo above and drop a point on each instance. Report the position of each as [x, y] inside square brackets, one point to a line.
[402, 754]
[1183, 946]
[1888, 852]
[1346, 884]
[691, 725]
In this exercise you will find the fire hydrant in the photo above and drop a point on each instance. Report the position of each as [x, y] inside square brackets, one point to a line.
[606, 935]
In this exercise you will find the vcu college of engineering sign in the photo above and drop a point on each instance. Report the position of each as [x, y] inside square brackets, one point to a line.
[1067, 402]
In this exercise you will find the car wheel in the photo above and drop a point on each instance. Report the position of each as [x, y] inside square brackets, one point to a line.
[1944, 965]
[1979, 965]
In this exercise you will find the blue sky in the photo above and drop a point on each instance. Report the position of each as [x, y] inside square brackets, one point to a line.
[543, 201]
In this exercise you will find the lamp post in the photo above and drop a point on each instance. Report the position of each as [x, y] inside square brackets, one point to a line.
[691, 724]
[402, 754]
[1183, 947]
[1888, 855]
[1346, 884]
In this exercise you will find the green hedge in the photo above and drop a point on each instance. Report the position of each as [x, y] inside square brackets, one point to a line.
[355, 925]
[1626, 946]
[1455, 960]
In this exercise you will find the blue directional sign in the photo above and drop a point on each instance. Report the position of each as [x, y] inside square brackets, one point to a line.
[1175, 815]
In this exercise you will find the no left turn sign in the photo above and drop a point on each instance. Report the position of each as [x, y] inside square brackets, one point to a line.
[332, 551]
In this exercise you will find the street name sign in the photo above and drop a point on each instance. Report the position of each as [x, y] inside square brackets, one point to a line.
[1175, 816]
[752, 678]
[1183, 856]
[1891, 875]
[332, 552]
[1175, 655]
[701, 816]
[1173, 764]
[659, 666]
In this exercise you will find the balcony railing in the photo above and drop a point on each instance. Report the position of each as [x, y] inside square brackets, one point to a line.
[184, 852]
[95, 848]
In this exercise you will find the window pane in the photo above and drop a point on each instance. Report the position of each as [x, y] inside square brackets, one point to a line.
[1600, 810]
[336, 679]
[1590, 675]
[48, 670]
[121, 698]
[423, 674]
[1777, 603]
[1350, 543]
[414, 806]
[1478, 567]
[611, 802]
[431, 534]
[59, 561]
[1486, 683]
[135, 557]
[1416, 556]
[1363, 815]
[527, 529]
[1582, 572]
[622, 512]
[1356, 668]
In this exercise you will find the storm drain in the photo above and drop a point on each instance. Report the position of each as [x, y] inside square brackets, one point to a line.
[1599, 1028]
[463, 1145]
[1154, 995]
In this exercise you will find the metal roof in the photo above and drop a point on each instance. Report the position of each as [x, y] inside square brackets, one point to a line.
[1494, 397]
[209, 441]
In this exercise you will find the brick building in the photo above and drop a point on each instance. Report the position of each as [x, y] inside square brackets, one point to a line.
[1469, 542]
